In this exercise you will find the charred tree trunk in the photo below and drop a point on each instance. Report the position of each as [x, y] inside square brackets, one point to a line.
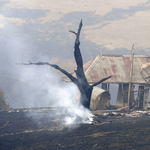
[81, 81]
[83, 85]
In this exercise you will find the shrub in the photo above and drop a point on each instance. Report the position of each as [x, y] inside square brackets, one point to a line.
[3, 105]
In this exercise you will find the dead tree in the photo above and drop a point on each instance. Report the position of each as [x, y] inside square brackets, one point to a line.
[80, 79]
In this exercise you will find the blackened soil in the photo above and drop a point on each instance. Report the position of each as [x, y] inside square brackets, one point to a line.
[19, 132]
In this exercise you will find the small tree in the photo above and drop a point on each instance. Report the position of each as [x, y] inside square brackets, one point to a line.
[80, 79]
[3, 105]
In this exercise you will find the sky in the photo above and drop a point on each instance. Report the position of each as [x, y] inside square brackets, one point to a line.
[35, 30]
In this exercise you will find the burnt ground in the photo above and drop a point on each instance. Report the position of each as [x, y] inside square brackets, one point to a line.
[19, 132]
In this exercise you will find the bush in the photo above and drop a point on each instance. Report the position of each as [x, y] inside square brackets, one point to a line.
[3, 105]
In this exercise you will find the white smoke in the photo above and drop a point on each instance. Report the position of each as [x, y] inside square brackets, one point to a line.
[79, 114]
[47, 89]
[34, 86]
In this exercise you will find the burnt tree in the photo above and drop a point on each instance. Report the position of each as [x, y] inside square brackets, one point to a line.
[80, 79]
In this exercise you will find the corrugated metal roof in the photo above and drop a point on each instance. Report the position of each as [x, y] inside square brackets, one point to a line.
[117, 65]
[145, 72]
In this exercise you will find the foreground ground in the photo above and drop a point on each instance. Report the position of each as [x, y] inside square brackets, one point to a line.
[18, 131]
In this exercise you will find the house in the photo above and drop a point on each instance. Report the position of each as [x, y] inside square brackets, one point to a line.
[126, 71]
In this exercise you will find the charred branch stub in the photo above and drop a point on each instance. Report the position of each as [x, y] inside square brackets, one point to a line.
[81, 81]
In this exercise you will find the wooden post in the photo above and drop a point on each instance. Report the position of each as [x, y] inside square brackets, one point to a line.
[108, 87]
[131, 71]
[145, 98]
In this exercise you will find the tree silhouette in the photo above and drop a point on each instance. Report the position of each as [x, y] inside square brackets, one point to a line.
[80, 79]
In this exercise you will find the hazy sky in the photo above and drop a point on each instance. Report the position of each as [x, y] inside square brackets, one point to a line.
[37, 30]
[112, 24]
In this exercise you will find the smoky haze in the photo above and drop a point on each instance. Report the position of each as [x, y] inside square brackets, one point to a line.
[29, 86]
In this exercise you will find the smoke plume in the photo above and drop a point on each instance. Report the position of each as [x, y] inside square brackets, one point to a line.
[35, 86]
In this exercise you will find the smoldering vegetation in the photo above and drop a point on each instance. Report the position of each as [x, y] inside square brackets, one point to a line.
[39, 87]
[34, 86]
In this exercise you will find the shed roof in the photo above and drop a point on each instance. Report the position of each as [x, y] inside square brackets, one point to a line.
[117, 65]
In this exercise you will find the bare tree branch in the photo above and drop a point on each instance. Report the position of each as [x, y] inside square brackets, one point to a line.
[77, 41]
[78, 58]
[95, 84]
[73, 32]
[73, 79]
